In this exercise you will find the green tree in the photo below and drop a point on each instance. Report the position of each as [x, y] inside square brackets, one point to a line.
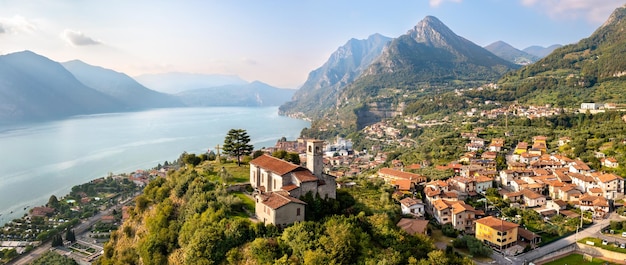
[70, 236]
[53, 202]
[237, 144]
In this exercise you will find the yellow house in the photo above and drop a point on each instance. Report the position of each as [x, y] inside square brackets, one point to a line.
[496, 232]
[521, 147]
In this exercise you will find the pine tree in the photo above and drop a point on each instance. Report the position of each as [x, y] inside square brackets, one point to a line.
[237, 144]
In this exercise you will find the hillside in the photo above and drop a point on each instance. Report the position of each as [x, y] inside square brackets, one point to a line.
[429, 59]
[343, 67]
[120, 86]
[190, 218]
[592, 70]
[33, 88]
[510, 53]
[255, 94]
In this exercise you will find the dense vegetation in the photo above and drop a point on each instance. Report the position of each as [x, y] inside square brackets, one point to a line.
[190, 218]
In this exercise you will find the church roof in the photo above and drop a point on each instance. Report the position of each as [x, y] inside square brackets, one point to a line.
[276, 200]
[304, 175]
[273, 164]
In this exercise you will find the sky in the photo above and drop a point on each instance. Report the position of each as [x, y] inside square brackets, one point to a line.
[274, 41]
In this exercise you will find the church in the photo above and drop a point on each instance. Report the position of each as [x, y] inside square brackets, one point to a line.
[278, 184]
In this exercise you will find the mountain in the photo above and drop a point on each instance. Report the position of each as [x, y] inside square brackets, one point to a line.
[255, 94]
[120, 86]
[173, 83]
[344, 65]
[540, 51]
[592, 70]
[33, 87]
[427, 60]
[510, 53]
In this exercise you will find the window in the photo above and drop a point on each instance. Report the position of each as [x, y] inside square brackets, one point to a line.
[298, 212]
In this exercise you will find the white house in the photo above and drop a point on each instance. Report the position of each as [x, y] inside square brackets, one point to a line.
[412, 206]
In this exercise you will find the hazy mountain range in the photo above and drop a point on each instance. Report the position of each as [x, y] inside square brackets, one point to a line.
[35, 88]
[510, 53]
[173, 83]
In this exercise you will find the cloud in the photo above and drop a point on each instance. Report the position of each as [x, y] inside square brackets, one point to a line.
[436, 3]
[77, 38]
[16, 24]
[593, 11]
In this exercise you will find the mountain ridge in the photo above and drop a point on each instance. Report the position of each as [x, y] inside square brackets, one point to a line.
[342, 67]
[37, 88]
[120, 86]
[510, 53]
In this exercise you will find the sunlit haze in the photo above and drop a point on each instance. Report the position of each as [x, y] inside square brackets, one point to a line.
[277, 42]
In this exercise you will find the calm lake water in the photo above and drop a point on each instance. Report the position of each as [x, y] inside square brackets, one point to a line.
[42, 159]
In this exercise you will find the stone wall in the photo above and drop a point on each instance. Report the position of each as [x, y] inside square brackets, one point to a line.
[547, 257]
[598, 252]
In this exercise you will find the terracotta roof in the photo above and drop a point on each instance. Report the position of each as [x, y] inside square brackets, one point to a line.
[273, 164]
[460, 207]
[304, 175]
[413, 226]
[596, 190]
[430, 191]
[526, 234]
[569, 214]
[482, 178]
[608, 177]
[414, 166]
[401, 174]
[440, 205]
[497, 224]
[531, 194]
[580, 165]
[462, 179]
[403, 184]
[290, 187]
[560, 202]
[408, 202]
[276, 200]
[582, 177]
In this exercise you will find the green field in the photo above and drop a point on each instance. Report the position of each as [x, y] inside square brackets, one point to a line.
[576, 259]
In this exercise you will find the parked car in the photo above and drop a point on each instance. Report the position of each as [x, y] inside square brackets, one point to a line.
[624, 234]
[604, 242]
[622, 245]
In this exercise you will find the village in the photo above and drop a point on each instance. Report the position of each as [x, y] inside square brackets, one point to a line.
[536, 199]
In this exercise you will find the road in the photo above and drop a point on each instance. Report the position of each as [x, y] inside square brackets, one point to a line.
[78, 230]
[591, 231]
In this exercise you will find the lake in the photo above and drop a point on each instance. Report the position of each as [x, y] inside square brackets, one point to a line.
[41, 159]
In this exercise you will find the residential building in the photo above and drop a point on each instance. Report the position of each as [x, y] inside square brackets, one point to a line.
[458, 213]
[496, 232]
[611, 184]
[412, 206]
[610, 162]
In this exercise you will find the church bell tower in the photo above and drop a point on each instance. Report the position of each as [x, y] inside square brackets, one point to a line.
[314, 157]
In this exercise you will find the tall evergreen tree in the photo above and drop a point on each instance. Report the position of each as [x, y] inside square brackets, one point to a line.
[237, 144]
[69, 235]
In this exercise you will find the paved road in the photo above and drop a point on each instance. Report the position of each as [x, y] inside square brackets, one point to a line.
[78, 230]
[591, 231]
